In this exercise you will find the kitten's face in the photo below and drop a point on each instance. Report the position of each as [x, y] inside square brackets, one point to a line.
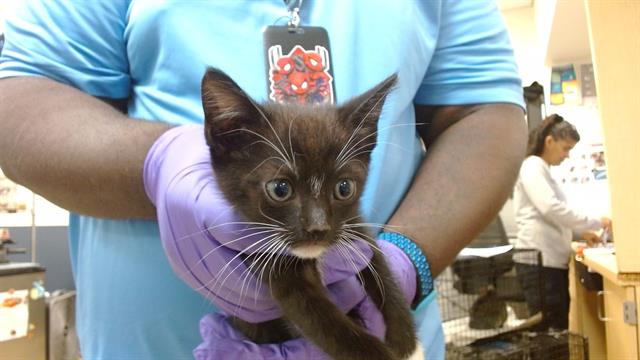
[299, 169]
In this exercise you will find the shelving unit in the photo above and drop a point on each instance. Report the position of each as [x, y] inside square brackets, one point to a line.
[608, 317]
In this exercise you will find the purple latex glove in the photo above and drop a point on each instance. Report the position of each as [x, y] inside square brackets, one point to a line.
[203, 237]
[222, 341]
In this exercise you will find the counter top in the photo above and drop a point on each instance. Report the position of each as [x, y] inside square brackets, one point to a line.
[603, 261]
[13, 268]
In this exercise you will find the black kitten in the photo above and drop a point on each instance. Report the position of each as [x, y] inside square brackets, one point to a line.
[301, 169]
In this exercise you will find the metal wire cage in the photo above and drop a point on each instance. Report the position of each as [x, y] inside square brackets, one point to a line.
[482, 296]
[492, 304]
[524, 345]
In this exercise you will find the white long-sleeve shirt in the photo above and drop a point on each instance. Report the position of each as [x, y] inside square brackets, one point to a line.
[545, 220]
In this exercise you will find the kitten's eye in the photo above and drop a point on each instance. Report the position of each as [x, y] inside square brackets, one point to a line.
[345, 189]
[279, 189]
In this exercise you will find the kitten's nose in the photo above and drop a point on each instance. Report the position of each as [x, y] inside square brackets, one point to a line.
[317, 228]
[315, 222]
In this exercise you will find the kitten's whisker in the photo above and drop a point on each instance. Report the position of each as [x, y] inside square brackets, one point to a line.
[277, 257]
[364, 149]
[353, 149]
[261, 251]
[340, 159]
[251, 227]
[204, 257]
[361, 228]
[217, 286]
[272, 251]
[244, 277]
[249, 271]
[344, 240]
[350, 157]
[347, 144]
[362, 235]
[357, 235]
[381, 129]
[371, 225]
[263, 242]
[270, 144]
[264, 161]
[359, 126]
[254, 230]
[259, 260]
[374, 272]
[262, 263]
[273, 130]
[347, 256]
[363, 224]
[282, 157]
[293, 154]
[381, 98]
[270, 218]
[225, 224]
[229, 209]
[190, 267]
[291, 260]
[362, 256]
[278, 171]
[394, 144]
[346, 221]
[361, 123]
[242, 223]
[286, 241]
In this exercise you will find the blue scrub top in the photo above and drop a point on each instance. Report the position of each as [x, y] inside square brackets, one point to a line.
[130, 304]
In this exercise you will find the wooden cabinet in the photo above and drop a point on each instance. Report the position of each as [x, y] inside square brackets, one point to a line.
[608, 318]
[622, 337]
[583, 316]
[615, 49]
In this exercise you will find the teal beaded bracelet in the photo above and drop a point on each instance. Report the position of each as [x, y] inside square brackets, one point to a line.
[425, 281]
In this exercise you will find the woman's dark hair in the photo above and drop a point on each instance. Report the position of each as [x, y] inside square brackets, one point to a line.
[555, 126]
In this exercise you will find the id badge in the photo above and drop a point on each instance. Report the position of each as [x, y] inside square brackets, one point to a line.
[298, 63]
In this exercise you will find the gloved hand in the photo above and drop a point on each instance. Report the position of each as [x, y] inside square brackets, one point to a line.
[222, 341]
[203, 237]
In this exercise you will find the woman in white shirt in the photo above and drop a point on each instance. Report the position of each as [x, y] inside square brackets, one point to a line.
[547, 223]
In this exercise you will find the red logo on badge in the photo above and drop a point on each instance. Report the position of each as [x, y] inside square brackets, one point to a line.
[301, 76]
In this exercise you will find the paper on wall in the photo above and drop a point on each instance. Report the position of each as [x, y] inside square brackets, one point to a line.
[14, 314]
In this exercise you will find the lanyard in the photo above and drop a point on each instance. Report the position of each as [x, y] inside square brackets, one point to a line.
[293, 6]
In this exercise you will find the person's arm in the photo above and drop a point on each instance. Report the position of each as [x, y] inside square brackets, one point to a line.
[74, 149]
[472, 162]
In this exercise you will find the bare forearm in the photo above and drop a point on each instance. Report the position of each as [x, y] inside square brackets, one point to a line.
[467, 175]
[74, 149]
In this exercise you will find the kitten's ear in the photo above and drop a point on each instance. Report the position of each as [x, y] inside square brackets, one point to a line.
[227, 110]
[363, 111]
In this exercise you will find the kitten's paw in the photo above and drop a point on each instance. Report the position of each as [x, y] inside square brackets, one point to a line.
[418, 354]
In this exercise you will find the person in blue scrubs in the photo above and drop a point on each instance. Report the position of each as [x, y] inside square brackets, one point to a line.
[64, 60]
